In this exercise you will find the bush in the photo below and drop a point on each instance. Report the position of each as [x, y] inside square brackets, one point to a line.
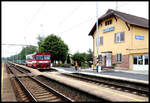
[113, 64]
[62, 65]
[65, 65]
[84, 65]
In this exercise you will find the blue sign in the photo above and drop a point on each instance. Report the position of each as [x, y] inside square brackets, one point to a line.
[108, 29]
[139, 37]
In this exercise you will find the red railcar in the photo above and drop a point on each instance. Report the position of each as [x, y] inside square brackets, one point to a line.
[39, 60]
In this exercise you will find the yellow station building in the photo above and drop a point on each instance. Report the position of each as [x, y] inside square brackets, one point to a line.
[122, 39]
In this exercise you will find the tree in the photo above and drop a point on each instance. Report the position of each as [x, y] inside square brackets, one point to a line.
[89, 57]
[83, 58]
[27, 50]
[56, 46]
[79, 57]
[40, 39]
[68, 59]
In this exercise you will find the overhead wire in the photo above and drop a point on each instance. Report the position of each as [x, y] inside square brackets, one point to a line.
[81, 23]
[70, 14]
[35, 14]
[32, 18]
[78, 25]
[121, 5]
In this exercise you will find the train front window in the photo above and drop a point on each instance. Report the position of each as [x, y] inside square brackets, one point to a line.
[46, 57]
[39, 57]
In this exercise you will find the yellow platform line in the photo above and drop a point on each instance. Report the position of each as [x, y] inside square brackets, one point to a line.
[2, 80]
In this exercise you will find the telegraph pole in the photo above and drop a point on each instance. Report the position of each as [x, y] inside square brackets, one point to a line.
[116, 5]
[98, 66]
[97, 36]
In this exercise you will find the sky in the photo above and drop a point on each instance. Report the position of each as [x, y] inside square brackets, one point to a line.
[22, 22]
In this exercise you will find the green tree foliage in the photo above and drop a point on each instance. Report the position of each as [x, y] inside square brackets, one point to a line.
[89, 56]
[25, 51]
[68, 59]
[55, 45]
[83, 58]
[80, 58]
[40, 39]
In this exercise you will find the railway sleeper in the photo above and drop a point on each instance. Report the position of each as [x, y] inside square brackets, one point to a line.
[40, 94]
[43, 96]
[45, 99]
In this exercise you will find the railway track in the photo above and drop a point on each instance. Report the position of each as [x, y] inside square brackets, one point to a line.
[41, 92]
[20, 69]
[40, 88]
[125, 86]
[71, 92]
[30, 89]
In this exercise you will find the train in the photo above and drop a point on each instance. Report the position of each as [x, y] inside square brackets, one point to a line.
[39, 60]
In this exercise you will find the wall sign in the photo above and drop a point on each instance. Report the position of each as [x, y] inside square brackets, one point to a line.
[108, 29]
[139, 37]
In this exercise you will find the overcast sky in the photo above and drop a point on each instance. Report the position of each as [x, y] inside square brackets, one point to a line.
[22, 22]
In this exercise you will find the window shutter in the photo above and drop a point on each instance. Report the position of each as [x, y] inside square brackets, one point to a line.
[101, 40]
[115, 38]
[122, 36]
[116, 57]
[120, 57]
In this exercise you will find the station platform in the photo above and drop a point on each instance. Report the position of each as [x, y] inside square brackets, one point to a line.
[7, 92]
[105, 93]
[135, 76]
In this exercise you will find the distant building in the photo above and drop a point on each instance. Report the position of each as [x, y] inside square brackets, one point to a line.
[123, 40]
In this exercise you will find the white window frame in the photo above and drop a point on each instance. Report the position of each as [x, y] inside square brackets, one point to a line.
[118, 37]
[143, 59]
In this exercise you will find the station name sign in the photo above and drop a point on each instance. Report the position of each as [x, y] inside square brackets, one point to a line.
[108, 29]
[139, 37]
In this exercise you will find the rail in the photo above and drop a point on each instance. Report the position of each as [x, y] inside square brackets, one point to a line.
[31, 94]
[138, 88]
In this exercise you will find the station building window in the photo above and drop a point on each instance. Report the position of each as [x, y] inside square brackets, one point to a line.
[108, 22]
[140, 59]
[119, 57]
[135, 60]
[119, 37]
[146, 59]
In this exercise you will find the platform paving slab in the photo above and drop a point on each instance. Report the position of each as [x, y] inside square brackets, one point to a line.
[7, 92]
[126, 75]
